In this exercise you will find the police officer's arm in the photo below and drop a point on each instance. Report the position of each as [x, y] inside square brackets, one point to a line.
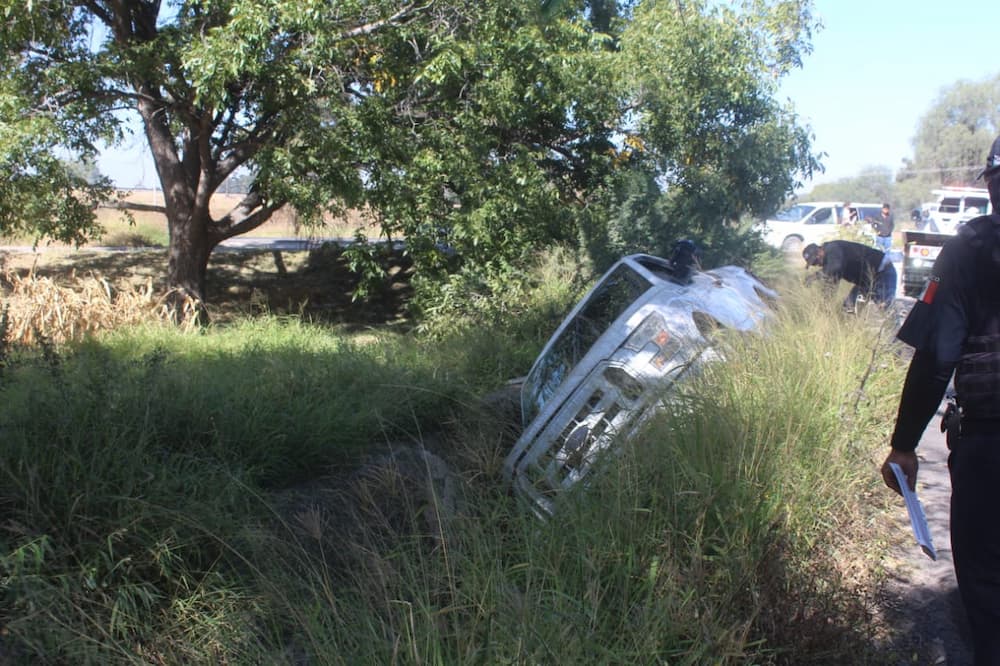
[936, 328]
[926, 382]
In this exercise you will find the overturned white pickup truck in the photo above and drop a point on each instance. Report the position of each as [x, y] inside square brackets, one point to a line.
[611, 362]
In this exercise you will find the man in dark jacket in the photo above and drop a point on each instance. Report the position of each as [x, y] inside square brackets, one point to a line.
[884, 225]
[955, 327]
[869, 270]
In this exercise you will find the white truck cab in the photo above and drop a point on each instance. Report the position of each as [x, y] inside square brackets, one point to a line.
[938, 221]
[957, 205]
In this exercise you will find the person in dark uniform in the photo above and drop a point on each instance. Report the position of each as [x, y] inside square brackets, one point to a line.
[869, 270]
[955, 328]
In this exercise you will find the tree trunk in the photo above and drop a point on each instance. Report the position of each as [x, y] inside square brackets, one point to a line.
[187, 265]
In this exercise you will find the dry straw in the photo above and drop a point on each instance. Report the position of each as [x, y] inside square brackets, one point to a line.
[38, 308]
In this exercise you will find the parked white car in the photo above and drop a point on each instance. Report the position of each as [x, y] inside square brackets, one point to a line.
[646, 324]
[795, 227]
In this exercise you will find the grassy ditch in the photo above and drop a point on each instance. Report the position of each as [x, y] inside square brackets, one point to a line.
[227, 496]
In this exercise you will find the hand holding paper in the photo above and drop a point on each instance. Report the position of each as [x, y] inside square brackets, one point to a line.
[916, 510]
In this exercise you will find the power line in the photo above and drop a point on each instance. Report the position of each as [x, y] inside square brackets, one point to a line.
[939, 169]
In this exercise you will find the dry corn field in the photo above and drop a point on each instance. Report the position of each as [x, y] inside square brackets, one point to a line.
[37, 308]
[68, 294]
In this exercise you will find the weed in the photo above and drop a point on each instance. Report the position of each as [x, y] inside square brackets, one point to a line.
[177, 498]
[4, 339]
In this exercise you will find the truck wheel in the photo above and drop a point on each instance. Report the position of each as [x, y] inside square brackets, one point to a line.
[791, 244]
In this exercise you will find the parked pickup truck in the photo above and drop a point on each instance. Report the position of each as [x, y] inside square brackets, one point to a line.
[920, 249]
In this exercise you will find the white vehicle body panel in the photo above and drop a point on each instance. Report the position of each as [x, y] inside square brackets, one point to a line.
[613, 359]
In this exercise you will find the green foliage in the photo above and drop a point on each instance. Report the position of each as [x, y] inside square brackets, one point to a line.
[154, 512]
[707, 110]
[43, 119]
[709, 147]
[714, 538]
[40, 195]
[492, 129]
[492, 326]
[954, 135]
[636, 222]
[514, 142]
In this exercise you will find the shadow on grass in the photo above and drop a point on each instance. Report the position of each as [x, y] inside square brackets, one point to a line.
[316, 284]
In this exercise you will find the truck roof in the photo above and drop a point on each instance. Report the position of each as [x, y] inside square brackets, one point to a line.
[958, 191]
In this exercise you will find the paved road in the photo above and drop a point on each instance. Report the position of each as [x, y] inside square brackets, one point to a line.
[237, 244]
[287, 244]
[925, 605]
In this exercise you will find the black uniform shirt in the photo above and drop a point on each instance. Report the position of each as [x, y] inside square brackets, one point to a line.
[854, 262]
[960, 293]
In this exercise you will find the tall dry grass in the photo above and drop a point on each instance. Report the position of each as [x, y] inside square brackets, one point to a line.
[40, 309]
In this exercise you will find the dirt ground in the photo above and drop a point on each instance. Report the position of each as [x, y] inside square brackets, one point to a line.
[316, 283]
[922, 601]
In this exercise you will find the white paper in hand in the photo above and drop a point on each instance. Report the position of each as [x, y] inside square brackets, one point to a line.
[916, 510]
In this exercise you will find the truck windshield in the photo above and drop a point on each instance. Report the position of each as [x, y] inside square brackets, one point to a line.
[793, 214]
[606, 304]
[949, 205]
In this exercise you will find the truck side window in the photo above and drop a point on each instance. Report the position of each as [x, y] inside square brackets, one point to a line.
[822, 216]
[976, 205]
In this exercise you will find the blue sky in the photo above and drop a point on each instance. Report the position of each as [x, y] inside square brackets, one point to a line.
[877, 66]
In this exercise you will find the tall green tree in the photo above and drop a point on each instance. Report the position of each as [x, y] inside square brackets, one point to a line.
[215, 85]
[487, 128]
[445, 117]
[516, 142]
[953, 136]
[702, 78]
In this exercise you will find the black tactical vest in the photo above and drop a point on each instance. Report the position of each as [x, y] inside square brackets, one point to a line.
[977, 377]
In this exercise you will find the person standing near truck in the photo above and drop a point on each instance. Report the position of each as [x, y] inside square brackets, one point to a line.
[884, 225]
[955, 328]
[848, 215]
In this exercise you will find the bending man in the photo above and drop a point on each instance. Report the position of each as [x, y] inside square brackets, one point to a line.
[869, 270]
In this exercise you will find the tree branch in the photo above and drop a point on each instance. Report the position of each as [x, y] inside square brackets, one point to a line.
[132, 205]
[404, 14]
[98, 11]
[248, 214]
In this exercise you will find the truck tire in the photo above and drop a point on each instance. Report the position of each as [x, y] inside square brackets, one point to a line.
[791, 244]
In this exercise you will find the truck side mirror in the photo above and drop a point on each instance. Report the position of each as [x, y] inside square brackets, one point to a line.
[915, 214]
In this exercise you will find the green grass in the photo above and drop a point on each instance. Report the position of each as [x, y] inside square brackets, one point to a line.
[195, 498]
